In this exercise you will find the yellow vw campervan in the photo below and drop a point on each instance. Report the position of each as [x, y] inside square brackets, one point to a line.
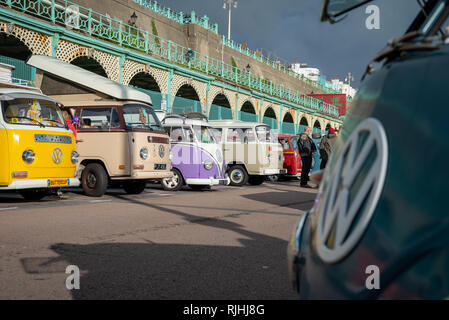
[37, 149]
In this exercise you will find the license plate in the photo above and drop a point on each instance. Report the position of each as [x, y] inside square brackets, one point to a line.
[160, 166]
[58, 182]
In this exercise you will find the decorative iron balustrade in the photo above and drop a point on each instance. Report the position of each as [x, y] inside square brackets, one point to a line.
[178, 17]
[87, 21]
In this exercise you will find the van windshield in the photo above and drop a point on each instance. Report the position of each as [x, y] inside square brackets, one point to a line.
[25, 111]
[139, 116]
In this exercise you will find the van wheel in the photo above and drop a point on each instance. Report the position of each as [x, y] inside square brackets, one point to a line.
[94, 180]
[33, 194]
[256, 180]
[134, 187]
[174, 183]
[238, 176]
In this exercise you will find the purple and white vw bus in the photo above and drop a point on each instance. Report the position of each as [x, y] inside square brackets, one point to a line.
[197, 159]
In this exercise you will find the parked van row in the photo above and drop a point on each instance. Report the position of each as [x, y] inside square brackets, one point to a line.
[118, 140]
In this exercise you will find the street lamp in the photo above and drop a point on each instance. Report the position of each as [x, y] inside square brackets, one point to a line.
[229, 4]
[133, 19]
[349, 78]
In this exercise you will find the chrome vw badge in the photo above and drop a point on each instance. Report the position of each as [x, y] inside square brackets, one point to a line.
[57, 156]
[352, 191]
[161, 151]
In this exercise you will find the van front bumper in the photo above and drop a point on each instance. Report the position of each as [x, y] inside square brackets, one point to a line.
[269, 172]
[37, 184]
[209, 182]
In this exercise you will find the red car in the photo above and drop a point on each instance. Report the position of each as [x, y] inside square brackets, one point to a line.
[292, 159]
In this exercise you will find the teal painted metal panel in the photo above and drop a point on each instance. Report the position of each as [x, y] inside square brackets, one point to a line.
[156, 97]
[22, 70]
[219, 113]
[249, 117]
[185, 105]
[272, 122]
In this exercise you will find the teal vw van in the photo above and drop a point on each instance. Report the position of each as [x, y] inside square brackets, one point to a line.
[379, 228]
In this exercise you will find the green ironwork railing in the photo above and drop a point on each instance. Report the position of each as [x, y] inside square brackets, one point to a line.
[178, 17]
[182, 18]
[323, 85]
[85, 20]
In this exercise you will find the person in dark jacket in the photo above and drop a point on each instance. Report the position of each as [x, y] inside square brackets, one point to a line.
[326, 147]
[306, 150]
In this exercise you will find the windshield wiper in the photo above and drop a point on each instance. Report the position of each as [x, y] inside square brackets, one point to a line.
[31, 119]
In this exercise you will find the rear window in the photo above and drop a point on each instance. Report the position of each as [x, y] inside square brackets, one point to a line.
[285, 144]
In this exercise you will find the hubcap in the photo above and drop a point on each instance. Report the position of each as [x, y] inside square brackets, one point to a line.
[171, 182]
[237, 176]
[91, 180]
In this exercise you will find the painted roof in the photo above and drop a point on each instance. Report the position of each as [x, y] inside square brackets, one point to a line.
[15, 93]
[87, 79]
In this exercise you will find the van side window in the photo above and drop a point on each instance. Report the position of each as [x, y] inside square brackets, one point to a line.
[217, 133]
[241, 135]
[99, 118]
[179, 134]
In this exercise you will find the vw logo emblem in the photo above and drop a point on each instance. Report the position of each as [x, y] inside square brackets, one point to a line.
[57, 156]
[161, 151]
[351, 191]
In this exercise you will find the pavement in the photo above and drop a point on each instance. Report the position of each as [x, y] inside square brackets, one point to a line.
[225, 243]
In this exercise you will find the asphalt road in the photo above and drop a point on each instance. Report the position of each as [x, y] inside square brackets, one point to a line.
[227, 243]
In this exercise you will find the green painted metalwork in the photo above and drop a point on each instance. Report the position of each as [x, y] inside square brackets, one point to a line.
[178, 17]
[219, 112]
[272, 122]
[249, 117]
[115, 31]
[22, 72]
[181, 105]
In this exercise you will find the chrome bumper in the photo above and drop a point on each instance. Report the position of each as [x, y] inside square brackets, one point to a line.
[37, 184]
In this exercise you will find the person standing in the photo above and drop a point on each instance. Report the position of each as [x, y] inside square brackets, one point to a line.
[326, 147]
[306, 150]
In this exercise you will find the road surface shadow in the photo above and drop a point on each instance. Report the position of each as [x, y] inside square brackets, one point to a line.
[287, 198]
[256, 268]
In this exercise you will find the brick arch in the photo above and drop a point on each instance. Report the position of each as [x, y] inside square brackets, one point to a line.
[179, 81]
[275, 108]
[37, 43]
[320, 121]
[215, 91]
[68, 51]
[250, 100]
[288, 110]
[141, 69]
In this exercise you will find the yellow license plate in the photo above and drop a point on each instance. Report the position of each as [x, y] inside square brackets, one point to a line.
[58, 182]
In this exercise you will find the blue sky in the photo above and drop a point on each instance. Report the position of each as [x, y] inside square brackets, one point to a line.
[291, 29]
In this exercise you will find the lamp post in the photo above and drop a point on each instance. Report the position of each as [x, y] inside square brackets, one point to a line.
[133, 19]
[349, 78]
[229, 4]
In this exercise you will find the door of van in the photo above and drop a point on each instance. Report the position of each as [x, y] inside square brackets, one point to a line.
[101, 136]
